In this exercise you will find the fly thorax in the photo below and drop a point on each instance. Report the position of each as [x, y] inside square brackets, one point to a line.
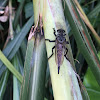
[60, 39]
[59, 47]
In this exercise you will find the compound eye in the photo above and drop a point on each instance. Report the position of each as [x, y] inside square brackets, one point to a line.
[63, 31]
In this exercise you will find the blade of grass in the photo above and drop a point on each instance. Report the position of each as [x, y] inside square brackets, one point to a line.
[85, 35]
[84, 17]
[10, 20]
[94, 12]
[3, 3]
[63, 82]
[10, 66]
[35, 69]
[16, 84]
[37, 82]
[94, 95]
[81, 42]
[39, 63]
[18, 12]
[90, 45]
[27, 70]
[28, 10]
[14, 45]
[1, 27]
[3, 83]
[88, 39]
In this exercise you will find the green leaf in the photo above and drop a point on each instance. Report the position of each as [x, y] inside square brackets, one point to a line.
[27, 70]
[94, 12]
[90, 81]
[28, 9]
[14, 45]
[93, 94]
[3, 83]
[1, 27]
[19, 0]
[64, 84]
[3, 3]
[18, 12]
[86, 48]
[10, 66]
[16, 84]
[37, 82]
[99, 54]
[34, 71]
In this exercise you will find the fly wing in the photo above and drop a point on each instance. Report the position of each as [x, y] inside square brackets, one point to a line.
[62, 57]
[59, 56]
[56, 55]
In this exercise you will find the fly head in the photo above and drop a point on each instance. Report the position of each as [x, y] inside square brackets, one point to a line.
[61, 31]
[61, 36]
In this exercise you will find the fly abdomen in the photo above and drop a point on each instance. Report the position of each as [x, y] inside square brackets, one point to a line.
[59, 59]
[58, 69]
[59, 56]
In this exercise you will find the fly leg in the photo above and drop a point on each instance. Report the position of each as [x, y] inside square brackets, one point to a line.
[67, 42]
[52, 48]
[54, 32]
[52, 52]
[66, 51]
[49, 40]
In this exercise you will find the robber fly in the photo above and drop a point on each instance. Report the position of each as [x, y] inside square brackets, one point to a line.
[61, 51]
[60, 47]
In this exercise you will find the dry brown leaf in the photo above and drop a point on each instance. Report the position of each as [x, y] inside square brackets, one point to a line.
[1, 12]
[3, 18]
[5, 15]
[6, 12]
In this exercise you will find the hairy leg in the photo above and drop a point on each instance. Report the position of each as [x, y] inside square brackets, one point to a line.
[67, 42]
[66, 51]
[54, 32]
[49, 40]
[52, 52]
